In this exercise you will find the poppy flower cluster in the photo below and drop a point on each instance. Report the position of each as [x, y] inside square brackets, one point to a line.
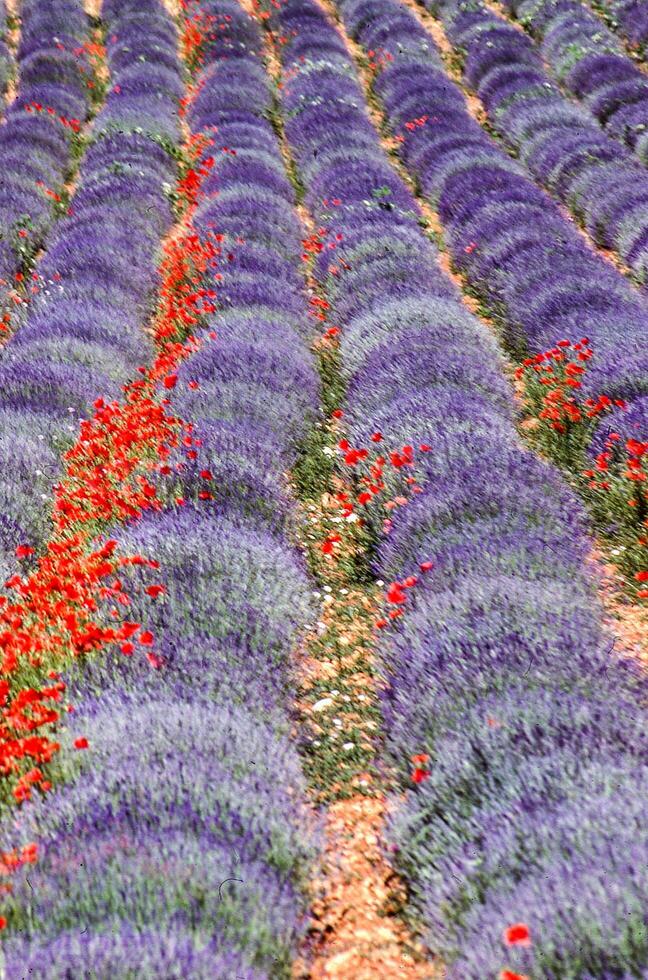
[379, 58]
[617, 486]
[564, 423]
[563, 426]
[397, 592]
[73, 124]
[503, 646]
[370, 479]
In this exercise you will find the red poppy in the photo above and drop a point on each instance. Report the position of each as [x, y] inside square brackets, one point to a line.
[146, 638]
[426, 566]
[23, 551]
[81, 743]
[30, 853]
[509, 975]
[354, 456]
[327, 546]
[420, 775]
[155, 590]
[126, 630]
[518, 934]
[395, 594]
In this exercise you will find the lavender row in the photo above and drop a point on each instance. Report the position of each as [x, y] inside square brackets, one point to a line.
[557, 140]
[591, 63]
[504, 628]
[182, 843]
[629, 18]
[37, 145]
[538, 276]
[83, 335]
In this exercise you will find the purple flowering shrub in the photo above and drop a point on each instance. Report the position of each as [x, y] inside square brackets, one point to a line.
[82, 336]
[36, 148]
[186, 818]
[629, 18]
[592, 64]
[537, 276]
[559, 142]
[498, 670]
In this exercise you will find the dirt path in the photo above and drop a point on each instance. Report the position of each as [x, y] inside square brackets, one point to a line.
[13, 40]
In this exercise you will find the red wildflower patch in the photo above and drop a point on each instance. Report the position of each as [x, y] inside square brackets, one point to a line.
[50, 616]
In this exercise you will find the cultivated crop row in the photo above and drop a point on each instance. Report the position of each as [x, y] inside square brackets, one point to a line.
[592, 63]
[180, 842]
[515, 248]
[82, 336]
[499, 672]
[559, 142]
[244, 194]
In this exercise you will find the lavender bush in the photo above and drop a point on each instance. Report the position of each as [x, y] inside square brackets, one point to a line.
[83, 334]
[591, 62]
[36, 148]
[629, 18]
[557, 140]
[540, 280]
[500, 671]
[185, 821]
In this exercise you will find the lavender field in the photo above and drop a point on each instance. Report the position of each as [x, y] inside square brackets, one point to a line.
[323, 489]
